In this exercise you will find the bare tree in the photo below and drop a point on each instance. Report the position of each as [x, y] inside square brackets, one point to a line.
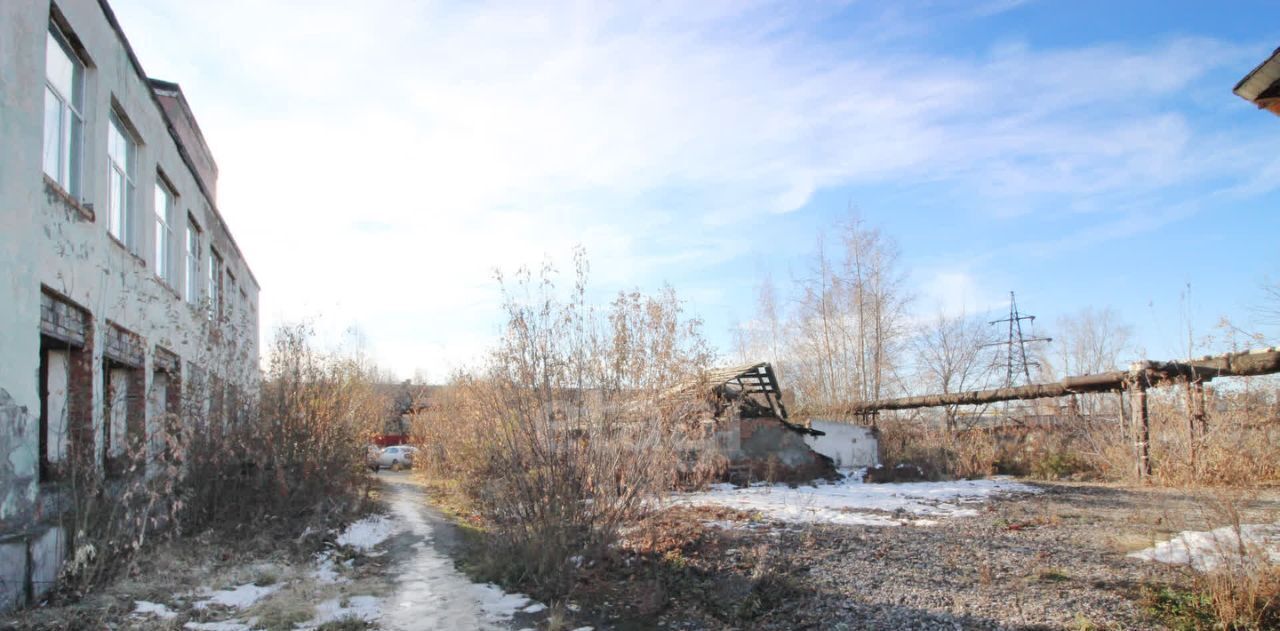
[761, 337]
[955, 354]
[1269, 309]
[849, 325]
[817, 358]
[1089, 341]
[873, 287]
[768, 319]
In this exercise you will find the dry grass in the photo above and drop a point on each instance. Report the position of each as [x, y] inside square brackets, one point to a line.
[173, 571]
[1236, 450]
[1243, 590]
[981, 452]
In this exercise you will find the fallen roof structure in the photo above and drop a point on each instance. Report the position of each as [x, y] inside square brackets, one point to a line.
[739, 383]
[741, 416]
[1262, 85]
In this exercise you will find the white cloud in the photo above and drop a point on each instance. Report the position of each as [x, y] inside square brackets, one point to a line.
[378, 162]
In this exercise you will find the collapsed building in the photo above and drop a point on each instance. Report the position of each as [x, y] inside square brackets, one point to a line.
[749, 427]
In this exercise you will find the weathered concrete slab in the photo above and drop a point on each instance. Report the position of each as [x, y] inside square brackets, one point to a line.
[47, 553]
[849, 446]
[13, 574]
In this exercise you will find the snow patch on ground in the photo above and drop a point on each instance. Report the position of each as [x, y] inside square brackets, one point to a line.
[240, 597]
[326, 571]
[366, 608]
[432, 594]
[156, 609]
[1205, 551]
[363, 535]
[852, 502]
[224, 625]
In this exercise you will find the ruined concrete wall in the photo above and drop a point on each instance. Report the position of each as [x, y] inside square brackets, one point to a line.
[765, 449]
[849, 446]
[54, 243]
[21, 100]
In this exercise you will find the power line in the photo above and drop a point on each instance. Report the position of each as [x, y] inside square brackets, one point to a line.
[1015, 354]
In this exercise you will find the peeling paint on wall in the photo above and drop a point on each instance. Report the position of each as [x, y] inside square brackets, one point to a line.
[18, 468]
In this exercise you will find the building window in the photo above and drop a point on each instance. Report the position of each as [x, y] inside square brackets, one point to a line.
[122, 151]
[164, 415]
[215, 285]
[65, 387]
[164, 232]
[193, 262]
[124, 413]
[63, 112]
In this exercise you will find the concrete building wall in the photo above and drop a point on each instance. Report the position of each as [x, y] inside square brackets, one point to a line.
[848, 446]
[765, 449]
[55, 250]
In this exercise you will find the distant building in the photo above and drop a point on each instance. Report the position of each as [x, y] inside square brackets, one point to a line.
[123, 296]
[1262, 86]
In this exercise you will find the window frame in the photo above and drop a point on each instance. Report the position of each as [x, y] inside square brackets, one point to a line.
[192, 278]
[216, 267]
[121, 221]
[69, 171]
[164, 233]
[230, 291]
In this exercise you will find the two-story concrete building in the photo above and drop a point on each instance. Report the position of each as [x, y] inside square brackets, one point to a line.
[125, 303]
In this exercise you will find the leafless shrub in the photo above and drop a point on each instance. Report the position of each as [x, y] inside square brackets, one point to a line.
[1041, 452]
[298, 452]
[1235, 447]
[303, 450]
[569, 430]
[109, 518]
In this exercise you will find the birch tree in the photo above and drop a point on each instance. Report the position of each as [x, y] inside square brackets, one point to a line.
[955, 354]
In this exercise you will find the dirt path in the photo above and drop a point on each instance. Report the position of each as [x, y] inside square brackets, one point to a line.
[429, 592]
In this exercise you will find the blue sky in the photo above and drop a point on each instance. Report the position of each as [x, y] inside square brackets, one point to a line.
[379, 160]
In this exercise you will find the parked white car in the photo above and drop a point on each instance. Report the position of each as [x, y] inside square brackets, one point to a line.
[396, 457]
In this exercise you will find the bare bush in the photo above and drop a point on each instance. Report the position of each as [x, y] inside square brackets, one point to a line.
[567, 432]
[295, 455]
[305, 447]
[1236, 449]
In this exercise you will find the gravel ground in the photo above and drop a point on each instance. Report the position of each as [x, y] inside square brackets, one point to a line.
[1054, 560]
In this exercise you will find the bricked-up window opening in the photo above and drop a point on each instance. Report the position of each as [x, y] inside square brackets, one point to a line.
[65, 387]
[164, 203]
[124, 416]
[215, 285]
[55, 397]
[193, 262]
[122, 158]
[165, 404]
[63, 112]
